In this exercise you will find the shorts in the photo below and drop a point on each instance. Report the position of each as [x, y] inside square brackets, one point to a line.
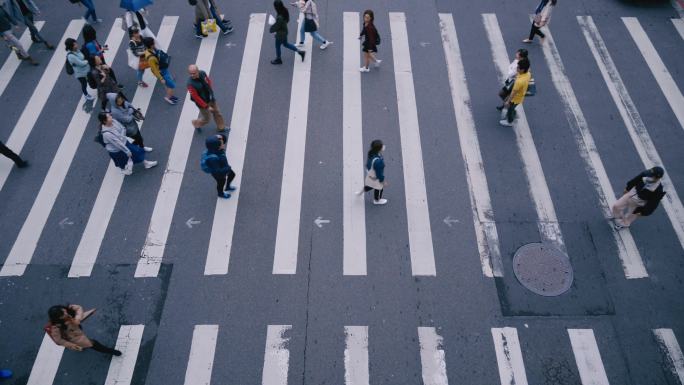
[170, 83]
[370, 49]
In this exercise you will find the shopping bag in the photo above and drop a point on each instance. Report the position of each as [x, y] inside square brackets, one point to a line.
[209, 26]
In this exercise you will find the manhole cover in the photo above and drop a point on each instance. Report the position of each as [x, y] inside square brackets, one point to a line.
[543, 269]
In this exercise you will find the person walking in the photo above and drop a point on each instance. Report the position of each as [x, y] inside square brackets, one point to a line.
[215, 162]
[123, 112]
[4, 150]
[371, 39]
[375, 172]
[542, 16]
[64, 328]
[158, 62]
[205, 10]
[311, 22]
[122, 152]
[6, 25]
[201, 91]
[510, 76]
[640, 198]
[224, 24]
[79, 65]
[90, 11]
[24, 11]
[137, 51]
[517, 95]
[280, 30]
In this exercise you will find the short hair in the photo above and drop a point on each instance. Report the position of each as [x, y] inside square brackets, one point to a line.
[148, 42]
[69, 44]
[524, 64]
[522, 52]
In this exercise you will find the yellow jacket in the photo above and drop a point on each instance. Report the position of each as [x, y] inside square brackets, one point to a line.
[153, 62]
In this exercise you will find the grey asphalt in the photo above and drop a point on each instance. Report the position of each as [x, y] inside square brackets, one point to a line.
[318, 301]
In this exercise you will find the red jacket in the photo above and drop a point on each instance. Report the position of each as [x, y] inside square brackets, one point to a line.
[201, 90]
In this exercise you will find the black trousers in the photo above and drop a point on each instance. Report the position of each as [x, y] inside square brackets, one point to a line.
[98, 347]
[377, 194]
[510, 115]
[535, 31]
[84, 85]
[223, 181]
[35, 35]
[4, 150]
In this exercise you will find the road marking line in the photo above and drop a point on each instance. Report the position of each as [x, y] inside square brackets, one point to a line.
[635, 126]
[202, 352]
[549, 228]
[509, 356]
[276, 355]
[679, 25]
[12, 63]
[160, 223]
[478, 190]
[655, 64]
[629, 255]
[46, 364]
[670, 347]
[25, 245]
[356, 337]
[417, 214]
[432, 357]
[128, 343]
[36, 103]
[223, 227]
[289, 211]
[587, 357]
[91, 239]
[354, 207]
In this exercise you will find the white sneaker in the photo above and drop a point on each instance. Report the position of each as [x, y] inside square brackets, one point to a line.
[126, 172]
[326, 44]
[299, 45]
[381, 201]
[377, 62]
[359, 193]
[148, 149]
[89, 97]
[364, 69]
[149, 163]
[505, 123]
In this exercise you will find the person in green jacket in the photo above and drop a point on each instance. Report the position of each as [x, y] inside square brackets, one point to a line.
[280, 29]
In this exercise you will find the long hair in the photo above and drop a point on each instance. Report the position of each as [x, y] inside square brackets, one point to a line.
[371, 14]
[281, 10]
[89, 33]
[56, 312]
[375, 148]
[69, 44]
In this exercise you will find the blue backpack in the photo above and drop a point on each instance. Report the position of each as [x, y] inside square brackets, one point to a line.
[164, 59]
[206, 155]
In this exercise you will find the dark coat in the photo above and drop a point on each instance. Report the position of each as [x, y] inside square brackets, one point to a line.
[652, 198]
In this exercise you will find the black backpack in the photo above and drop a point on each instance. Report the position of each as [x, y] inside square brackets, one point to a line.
[164, 59]
[68, 67]
[192, 2]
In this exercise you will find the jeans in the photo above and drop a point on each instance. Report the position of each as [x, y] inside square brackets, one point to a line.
[4, 150]
[84, 85]
[535, 31]
[510, 115]
[91, 9]
[314, 34]
[223, 181]
[377, 194]
[139, 74]
[223, 24]
[287, 45]
[168, 78]
[35, 35]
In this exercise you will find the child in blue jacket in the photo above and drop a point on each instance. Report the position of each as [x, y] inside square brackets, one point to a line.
[214, 162]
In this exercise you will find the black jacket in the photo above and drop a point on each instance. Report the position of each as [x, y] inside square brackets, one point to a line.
[652, 198]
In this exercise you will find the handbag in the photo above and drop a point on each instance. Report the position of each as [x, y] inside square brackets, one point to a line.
[209, 26]
[133, 61]
[310, 25]
[507, 88]
[371, 179]
[138, 115]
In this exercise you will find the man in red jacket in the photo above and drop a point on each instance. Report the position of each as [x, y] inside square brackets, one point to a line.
[202, 93]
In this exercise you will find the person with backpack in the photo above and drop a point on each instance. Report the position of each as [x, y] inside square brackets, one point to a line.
[215, 162]
[77, 65]
[158, 62]
[64, 328]
[641, 197]
[112, 135]
[91, 48]
[280, 30]
[4, 150]
[518, 92]
[6, 25]
[370, 41]
[311, 22]
[542, 16]
[24, 11]
[375, 173]
[123, 112]
[201, 92]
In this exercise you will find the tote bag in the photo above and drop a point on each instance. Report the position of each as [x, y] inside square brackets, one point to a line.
[372, 179]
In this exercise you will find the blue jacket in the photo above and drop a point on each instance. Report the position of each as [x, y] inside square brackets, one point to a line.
[378, 166]
[218, 164]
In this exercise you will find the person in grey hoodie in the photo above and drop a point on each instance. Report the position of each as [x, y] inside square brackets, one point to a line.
[123, 112]
[79, 64]
[117, 144]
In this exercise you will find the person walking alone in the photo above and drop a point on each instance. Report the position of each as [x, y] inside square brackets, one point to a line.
[311, 22]
[375, 172]
[6, 25]
[122, 152]
[123, 112]
[641, 197]
[280, 30]
[201, 91]
[24, 11]
[159, 61]
[4, 150]
[79, 64]
[517, 95]
[64, 328]
[371, 39]
[215, 162]
[542, 16]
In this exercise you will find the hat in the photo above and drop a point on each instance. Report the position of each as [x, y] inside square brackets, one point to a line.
[656, 171]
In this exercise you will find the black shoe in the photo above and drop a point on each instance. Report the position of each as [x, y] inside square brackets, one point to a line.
[22, 164]
[499, 108]
[277, 61]
[116, 352]
[302, 54]
[227, 30]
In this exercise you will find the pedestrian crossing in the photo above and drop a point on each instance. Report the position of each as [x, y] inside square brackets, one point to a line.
[436, 355]
[424, 258]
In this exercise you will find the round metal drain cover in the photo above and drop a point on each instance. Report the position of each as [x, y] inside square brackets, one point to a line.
[543, 269]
